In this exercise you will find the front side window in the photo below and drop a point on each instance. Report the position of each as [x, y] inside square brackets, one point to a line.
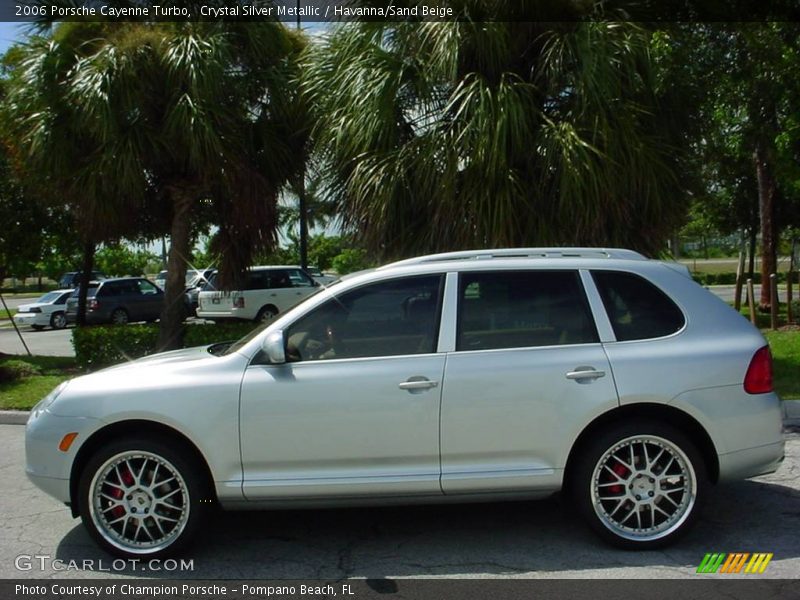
[300, 279]
[389, 318]
[519, 309]
[637, 309]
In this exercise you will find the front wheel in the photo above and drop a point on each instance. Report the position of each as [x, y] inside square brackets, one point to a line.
[58, 320]
[141, 498]
[640, 485]
[119, 317]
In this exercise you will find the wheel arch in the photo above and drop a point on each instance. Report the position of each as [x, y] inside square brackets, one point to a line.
[682, 421]
[139, 427]
[268, 305]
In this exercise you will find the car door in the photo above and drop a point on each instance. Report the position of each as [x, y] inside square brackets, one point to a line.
[528, 372]
[151, 299]
[355, 410]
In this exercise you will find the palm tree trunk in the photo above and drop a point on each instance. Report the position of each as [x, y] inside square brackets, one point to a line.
[170, 333]
[83, 285]
[767, 192]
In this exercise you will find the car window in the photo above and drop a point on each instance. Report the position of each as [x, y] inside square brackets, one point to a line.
[63, 298]
[146, 288]
[299, 279]
[636, 308]
[50, 297]
[388, 318]
[91, 291]
[519, 309]
[278, 278]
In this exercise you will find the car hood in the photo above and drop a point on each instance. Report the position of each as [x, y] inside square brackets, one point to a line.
[162, 376]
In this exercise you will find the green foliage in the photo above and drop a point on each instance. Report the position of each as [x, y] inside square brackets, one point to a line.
[785, 347]
[350, 260]
[119, 260]
[100, 346]
[440, 136]
[11, 370]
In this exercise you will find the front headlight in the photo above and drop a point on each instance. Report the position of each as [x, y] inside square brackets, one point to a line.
[42, 405]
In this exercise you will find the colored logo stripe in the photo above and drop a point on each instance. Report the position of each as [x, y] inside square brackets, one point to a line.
[734, 562]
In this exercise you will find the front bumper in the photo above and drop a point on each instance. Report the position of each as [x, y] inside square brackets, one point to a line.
[30, 319]
[46, 466]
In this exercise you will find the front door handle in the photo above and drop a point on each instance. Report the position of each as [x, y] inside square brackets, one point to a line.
[585, 373]
[414, 384]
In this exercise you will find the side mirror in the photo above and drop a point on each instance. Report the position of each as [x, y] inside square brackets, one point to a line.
[274, 347]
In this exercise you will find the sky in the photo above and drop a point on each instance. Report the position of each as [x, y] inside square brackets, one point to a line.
[10, 33]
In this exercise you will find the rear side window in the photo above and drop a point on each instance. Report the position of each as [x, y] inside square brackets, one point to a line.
[520, 309]
[637, 309]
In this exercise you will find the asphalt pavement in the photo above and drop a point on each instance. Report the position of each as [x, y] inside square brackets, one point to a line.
[541, 539]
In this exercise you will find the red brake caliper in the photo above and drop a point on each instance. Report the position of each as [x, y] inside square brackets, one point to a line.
[620, 471]
[127, 479]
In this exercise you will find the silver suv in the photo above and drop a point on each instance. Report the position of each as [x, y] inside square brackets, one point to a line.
[472, 375]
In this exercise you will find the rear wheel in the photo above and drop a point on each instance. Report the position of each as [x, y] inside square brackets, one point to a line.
[266, 314]
[141, 498]
[119, 316]
[58, 320]
[640, 485]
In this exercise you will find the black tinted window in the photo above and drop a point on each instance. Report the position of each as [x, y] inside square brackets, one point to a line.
[521, 309]
[636, 308]
[389, 318]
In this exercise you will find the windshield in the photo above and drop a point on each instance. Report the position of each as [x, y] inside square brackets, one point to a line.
[49, 297]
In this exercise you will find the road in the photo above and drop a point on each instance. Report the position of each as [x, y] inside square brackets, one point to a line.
[539, 539]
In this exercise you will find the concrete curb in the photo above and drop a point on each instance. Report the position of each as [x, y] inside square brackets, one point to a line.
[14, 417]
[791, 415]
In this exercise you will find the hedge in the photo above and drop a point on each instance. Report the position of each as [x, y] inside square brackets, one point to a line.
[104, 345]
[730, 278]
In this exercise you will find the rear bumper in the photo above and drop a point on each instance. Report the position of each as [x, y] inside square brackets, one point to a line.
[751, 462]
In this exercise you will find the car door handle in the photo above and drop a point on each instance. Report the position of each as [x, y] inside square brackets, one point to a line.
[585, 373]
[418, 384]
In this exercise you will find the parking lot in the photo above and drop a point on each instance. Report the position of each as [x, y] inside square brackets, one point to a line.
[538, 539]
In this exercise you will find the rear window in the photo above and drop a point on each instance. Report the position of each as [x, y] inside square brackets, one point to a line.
[91, 291]
[637, 309]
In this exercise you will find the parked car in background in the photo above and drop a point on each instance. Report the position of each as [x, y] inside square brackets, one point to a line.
[320, 277]
[73, 279]
[119, 301]
[485, 375]
[270, 291]
[48, 311]
[196, 280]
[161, 279]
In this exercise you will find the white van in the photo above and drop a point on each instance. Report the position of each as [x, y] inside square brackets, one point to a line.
[269, 292]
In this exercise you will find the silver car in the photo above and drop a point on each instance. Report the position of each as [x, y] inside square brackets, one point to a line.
[487, 375]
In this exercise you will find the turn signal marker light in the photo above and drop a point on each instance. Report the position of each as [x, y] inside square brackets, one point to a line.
[67, 440]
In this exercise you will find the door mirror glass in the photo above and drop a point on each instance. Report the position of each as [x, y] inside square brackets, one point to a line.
[273, 347]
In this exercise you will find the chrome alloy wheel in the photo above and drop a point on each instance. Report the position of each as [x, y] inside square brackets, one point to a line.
[643, 488]
[139, 502]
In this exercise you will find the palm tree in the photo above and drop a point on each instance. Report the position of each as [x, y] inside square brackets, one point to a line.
[194, 114]
[452, 135]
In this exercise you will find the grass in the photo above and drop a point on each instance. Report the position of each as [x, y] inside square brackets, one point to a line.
[7, 314]
[22, 393]
[785, 346]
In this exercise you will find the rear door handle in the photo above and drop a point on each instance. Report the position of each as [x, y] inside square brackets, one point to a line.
[414, 384]
[585, 373]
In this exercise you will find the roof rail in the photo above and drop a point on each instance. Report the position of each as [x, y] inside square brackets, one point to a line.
[618, 253]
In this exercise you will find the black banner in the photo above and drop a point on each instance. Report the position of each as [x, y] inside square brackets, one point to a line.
[705, 588]
[316, 11]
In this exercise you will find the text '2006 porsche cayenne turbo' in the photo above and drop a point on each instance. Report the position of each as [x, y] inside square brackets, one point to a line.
[493, 374]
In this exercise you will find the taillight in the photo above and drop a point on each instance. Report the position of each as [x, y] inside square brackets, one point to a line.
[93, 304]
[758, 379]
[238, 302]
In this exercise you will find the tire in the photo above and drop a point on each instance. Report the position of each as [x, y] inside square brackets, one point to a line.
[266, 314]
[116, 489]
[58, 320]
[640, 485]
[119, 316]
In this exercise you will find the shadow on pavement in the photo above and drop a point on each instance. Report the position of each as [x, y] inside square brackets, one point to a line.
[464, 540]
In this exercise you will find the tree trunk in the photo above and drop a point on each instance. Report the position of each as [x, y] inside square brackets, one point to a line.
[751, 252]
[170, 333]
[767, 192]
[303, 210]
[83, 281]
